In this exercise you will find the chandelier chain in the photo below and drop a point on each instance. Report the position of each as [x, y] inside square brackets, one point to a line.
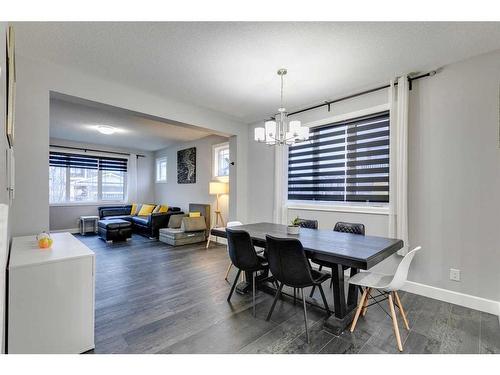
[281, 91]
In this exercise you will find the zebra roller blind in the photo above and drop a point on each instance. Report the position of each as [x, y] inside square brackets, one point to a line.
[343, 161]
[61, 159]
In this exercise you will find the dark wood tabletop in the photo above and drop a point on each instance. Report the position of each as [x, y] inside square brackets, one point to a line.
[362, 252]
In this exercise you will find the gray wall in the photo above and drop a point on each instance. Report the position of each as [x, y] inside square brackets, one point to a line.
[67, 216]
[37, 78]
[454, 177]
[181, 195]
[3, 181]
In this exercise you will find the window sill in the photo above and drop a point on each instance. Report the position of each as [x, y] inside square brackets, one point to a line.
[352, 208]
[76, 204]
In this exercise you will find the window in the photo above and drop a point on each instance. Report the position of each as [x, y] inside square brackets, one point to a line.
[161, 169]
[345, 161]
[84, 178]
[221, 160]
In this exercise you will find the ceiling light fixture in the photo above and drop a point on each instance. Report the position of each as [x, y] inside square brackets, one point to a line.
[279, 131]
[105, 129]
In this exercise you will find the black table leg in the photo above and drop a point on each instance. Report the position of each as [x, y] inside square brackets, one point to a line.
[338, 291]
[352, 293]
[343, 312]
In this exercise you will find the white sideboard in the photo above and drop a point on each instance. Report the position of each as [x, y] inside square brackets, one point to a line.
[51, 296]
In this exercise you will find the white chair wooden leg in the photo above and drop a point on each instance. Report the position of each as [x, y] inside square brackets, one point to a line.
[358, 310]
[401, 310]
[365, 307]
[395, 322]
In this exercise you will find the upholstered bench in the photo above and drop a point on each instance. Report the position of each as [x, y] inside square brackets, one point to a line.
[184, 230]
[114, 229]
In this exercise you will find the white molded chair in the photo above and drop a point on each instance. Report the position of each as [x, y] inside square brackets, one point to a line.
[387, 286]
[229, 225]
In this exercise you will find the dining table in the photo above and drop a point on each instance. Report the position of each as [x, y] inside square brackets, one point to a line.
[342, 252]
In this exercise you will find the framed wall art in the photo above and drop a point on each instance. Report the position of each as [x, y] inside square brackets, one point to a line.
[186, 166]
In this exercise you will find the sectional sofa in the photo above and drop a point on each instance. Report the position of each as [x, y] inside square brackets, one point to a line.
[148, 226]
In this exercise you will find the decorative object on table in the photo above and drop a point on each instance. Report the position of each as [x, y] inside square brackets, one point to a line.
[11, 87]
[186, 166]
[294, 227]
[279, 131]
[84, 220]
[44, 240]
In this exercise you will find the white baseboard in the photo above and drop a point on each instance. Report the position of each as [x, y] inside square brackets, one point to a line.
[70, 230]
[466, 300]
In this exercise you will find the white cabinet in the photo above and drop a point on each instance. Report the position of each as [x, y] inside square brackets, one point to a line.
[51, 296]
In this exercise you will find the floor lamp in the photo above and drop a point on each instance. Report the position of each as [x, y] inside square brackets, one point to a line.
[217, 188]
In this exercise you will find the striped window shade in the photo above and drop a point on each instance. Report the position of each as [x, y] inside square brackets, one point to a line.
[65, 160]
[343, 161]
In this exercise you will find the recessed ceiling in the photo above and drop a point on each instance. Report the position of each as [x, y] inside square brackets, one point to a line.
[77, 120]
[231, 67]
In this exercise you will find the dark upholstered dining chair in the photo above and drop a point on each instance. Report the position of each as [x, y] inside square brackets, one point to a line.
[310, 224]
[344, 227]
[244, 258]
[289, 266]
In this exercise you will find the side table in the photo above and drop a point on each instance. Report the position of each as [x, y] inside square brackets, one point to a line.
[88, 219]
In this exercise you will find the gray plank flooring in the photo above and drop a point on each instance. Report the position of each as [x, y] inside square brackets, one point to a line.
[154, 298]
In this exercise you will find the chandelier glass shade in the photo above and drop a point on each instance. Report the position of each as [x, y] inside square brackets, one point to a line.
[280, 131]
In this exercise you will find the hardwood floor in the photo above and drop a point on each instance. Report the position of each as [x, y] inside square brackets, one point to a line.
[154, 298]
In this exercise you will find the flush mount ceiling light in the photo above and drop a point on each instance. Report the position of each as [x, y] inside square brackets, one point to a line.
[279, 131]
[105, 129]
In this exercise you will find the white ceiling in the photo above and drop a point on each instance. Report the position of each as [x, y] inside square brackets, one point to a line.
[76, 120]
[231, 67]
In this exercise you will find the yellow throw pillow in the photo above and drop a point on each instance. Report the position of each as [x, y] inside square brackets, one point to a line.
[146, 209]
[133, 211]
[163, 208]
[194, 214]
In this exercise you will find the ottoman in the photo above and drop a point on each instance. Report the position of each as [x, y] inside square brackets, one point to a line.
[192, 230]
[114, 229]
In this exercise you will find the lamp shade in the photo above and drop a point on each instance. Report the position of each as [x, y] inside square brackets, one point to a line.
[260, 134]
[216, 187]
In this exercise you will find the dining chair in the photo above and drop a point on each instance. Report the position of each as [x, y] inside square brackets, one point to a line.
[289, 266]
[343, 227]
[387, 286]
[244, 258]
[229, 225]
[307, 223]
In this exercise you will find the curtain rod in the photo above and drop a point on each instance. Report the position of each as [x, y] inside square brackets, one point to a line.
[330, 102]
[94, 150]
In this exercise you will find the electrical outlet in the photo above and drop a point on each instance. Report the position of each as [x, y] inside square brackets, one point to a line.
[454, 274]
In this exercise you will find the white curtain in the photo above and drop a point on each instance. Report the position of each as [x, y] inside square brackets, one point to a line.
[280, 214]
[132, 179]
[398, 189]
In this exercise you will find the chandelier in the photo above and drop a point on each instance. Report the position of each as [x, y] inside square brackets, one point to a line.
[280, 131]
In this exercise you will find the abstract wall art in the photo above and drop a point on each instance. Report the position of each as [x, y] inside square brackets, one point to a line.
[186, 166]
